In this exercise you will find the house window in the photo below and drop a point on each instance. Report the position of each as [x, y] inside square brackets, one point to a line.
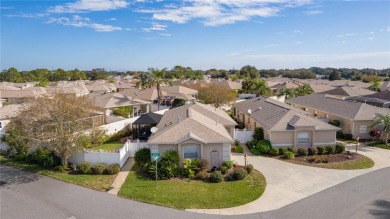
[191, 152]
[303, 138]
[363, 129]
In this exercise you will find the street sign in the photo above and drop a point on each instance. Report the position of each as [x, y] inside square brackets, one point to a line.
[155, 156]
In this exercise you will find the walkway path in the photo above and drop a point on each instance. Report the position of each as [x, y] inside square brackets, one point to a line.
[288, 183]
[122, 175]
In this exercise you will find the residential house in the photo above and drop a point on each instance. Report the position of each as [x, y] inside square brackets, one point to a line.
[342, 92]
[20, 96]
[355, 117]
[283, 125]
[380, 99]
[195, 131]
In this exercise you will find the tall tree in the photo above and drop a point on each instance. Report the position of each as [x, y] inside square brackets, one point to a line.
[57, 122]
[155, 77]
[335, 75]
[303, 90]
[375, 85]
[287, 93]
[260, 87]
[250, 72]
[216, 95]
[382, 122]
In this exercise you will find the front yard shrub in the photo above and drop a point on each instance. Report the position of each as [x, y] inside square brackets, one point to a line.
[335, 123]
[254, 151]
[329, 149]
[320, 150]
[99, 168]
[258, 134]
[340, 148]
[167, 170]
[251, 143]
[190, 167]
[44, 157]
[292, 150]
[236, 143]
[238, 149]
[228, 164]
[203, 164]
[324, 159]
[224, 169]
[302, 152]
[274, 152]
[113, 169]
[170, 156]
[249, 168]
[282, 151]
[263, 146]
[348, 136]
[85, 167]
[339, 134]
[239, 174]
[142, 156]
[240, 125]
[312, 151]
[202, 175]
[289, 155]
[60, 168]
[216, 177]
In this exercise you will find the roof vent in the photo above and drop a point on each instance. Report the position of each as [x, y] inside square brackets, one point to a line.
[178, 119]
[189, 114]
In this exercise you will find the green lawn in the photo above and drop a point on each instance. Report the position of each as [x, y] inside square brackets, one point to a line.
[97, 182]
[379, 145]
[362, 162]
[110, 146]
[185, 194]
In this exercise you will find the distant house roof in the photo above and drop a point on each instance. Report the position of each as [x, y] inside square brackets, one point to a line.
[179, 89]
[349, 91]
[319, 88]
[15, 94]
[344, 108]
[196, 121]
[231, 85]
[110, 100]
[149, 118]
[277, 116]
[384, 95]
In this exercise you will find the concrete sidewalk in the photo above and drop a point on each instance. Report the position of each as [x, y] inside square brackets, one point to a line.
[288, 183]
[122, 175]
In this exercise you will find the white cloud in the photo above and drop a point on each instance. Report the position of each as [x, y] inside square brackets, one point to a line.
[371, 38]
[78, 21]
[297, 31]
[220, 12]
[112, 19]
[89, 5]
[313, 12]
[155, 27]
[27, 15]
[166, 34]
[355, 34]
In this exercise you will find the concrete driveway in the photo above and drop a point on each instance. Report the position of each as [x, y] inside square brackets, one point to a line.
[288, 183]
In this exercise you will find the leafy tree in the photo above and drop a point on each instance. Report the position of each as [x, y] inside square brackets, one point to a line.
[123, 111]
[249, 72]
[287, 93]
[57, 122]
[155, 77]
[260, 87]
[335, 75]
[304, 90]
[216, 95]
[43, 82]
[11, 75]
[375, 86]
[382, 122]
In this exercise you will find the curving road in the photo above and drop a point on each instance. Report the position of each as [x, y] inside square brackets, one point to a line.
[28, 195]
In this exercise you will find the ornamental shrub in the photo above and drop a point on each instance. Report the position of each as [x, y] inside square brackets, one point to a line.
[263, 146]
[254, 151]
[340, 134]
[282, 151]
[203, 164]
[289, 155]
[216, 177]
[85, 167]
[99, 168]
[348, 136]
[274, 152]
[238, 149]
[113, 169]
[251, 143]
[258, 134]
[340, 148]
[236, 143]
[292, 150]
[170, 156]
[320, 150]
[302, 152]
[228, 164]
[224, 169]
[329, 149]
[44, 157]
[190, 167]
[142, 156]
[312, 151]
[239, 174]
[202, 175]
[249, 168]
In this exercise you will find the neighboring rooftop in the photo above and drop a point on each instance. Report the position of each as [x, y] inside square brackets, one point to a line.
[349, 91]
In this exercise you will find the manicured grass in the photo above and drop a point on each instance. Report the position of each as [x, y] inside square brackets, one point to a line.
[379, 145]
[348, 141]
[358, 162]
[185, 194]
[112, 146]
[97, 182]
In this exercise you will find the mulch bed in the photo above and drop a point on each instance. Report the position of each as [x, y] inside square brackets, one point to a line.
[333, 158]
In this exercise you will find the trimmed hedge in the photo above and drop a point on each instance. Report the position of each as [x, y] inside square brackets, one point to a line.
[320, 150]
[282, 151]
[274, 152]
[238, 149]
[216, 177]
[340, 148]
[99, 168]
[263, 146]
[302, 152]
[289, 155]
[239, 174]
[249, 168]
[329, 149]
[228, 164]
[339, 134]
[85, 167]
[292, 150]
[312, 151]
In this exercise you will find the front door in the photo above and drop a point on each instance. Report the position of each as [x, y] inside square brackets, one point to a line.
[215, 158]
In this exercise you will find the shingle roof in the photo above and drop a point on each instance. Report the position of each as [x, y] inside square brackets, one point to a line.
[343, 108]
[349, 91]
[190, 121]
[109, 100]
[275, 115]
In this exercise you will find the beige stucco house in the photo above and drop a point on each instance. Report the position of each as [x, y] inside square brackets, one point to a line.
[355, 117]
[284, 125]
[195, 131]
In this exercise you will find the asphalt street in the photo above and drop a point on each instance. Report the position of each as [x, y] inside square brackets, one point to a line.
[28, 195]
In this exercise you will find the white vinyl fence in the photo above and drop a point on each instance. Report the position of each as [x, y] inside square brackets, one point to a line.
[243, 135]
[119, 156]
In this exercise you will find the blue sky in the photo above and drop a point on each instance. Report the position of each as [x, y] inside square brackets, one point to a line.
[202, 34]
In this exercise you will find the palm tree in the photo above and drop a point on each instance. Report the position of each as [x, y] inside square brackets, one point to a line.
[383, 121]
[304, 90]
[375, 85]
[260, 87]
[155, 77]
[287, 93]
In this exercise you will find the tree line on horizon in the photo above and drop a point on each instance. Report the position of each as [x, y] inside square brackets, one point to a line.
[43, 76]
